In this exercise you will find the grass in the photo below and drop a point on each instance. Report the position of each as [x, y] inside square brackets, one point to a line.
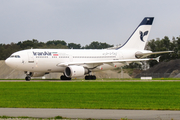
[91, 95]
[6, 117]
[53, 118]
[31, 118]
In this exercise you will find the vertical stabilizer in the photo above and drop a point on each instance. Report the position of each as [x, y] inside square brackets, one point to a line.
[139, 37]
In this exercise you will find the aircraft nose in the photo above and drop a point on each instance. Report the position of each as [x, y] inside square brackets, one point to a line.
[10, 63]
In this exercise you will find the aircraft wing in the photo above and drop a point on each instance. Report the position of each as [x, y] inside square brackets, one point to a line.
[143, 55]
[105, 62]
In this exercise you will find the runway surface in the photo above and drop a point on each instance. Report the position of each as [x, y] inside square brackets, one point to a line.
[92, 113]
[46, 80]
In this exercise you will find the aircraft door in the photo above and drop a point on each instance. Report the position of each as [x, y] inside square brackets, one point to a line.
[30, 57]
[70, 58]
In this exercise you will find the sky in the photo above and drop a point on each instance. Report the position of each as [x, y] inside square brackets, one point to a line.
[85, 21]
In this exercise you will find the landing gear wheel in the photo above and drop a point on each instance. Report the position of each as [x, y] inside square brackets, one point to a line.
[63, 77]
[90, 77]
[28, 78]
[94, 77]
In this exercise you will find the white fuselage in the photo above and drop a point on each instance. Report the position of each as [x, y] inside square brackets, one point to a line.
[47, 60]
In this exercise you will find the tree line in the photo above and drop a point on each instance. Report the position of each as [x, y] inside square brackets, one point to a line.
[7, 49]
[164, 44]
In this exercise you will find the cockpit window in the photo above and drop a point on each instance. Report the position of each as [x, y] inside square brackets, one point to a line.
[14, 56]
[17, 56]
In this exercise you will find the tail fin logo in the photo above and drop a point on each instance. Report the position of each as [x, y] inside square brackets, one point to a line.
[142, 35]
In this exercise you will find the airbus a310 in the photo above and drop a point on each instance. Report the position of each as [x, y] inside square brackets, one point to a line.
[81, 62]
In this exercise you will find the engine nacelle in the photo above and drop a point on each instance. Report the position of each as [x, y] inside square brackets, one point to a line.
[75, 71]
[38, 74]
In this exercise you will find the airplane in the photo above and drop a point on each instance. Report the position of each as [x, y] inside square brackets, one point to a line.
[81, 62]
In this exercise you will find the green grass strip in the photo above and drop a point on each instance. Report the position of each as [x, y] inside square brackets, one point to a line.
[91, 95]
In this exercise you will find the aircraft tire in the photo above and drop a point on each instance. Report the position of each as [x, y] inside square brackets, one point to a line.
[28, 78]
[63, 77]
[94, 77]
[90, 77]
[86, 77]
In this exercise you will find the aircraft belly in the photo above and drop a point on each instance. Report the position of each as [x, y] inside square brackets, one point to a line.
[108, 66]
[49, 68]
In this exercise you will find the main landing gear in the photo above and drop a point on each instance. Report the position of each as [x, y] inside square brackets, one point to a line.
[63, 77]
[87, 77]
[90, 77]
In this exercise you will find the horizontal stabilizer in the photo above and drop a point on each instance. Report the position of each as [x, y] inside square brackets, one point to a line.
[143, 55]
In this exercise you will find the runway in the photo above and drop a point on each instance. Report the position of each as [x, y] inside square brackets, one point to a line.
[46, 80]
[92, 113]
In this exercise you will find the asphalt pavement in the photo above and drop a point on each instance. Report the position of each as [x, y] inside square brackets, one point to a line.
[92, 113]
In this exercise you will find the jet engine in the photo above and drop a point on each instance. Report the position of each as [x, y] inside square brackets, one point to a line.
[75, 71]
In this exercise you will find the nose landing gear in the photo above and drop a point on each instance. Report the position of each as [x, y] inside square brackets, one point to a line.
[28, 78]
[28, 75]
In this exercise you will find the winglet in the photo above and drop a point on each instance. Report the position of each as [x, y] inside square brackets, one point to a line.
[157, 59]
